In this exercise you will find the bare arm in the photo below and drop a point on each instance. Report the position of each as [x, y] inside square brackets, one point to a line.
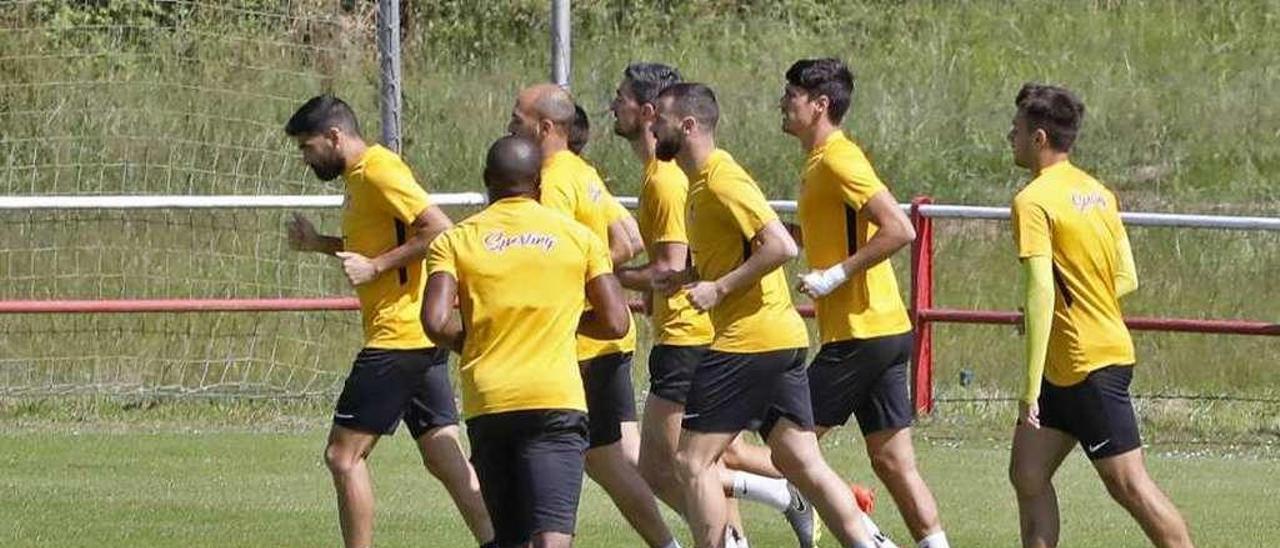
[771, 248]
[362, 270]
[796, 234]
[624, 240]
[429, 224]
[894, 232]
[668, 258]
[609, 317]
[303, 237]
[442, 327]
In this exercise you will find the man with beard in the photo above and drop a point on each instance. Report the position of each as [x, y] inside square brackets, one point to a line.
[681, 333]
[752, 377]
[851, 226]
[544, 113]
[519, 273]
[387, 223]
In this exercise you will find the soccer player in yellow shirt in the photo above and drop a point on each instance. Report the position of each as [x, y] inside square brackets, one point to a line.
[851, 224]
[520, 274]
[1079, 359]
[387, 223]
[752, 377]
[681, 334]
[544, 113]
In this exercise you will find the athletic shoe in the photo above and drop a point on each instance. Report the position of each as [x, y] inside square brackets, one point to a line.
[865, 497]
[800, 516]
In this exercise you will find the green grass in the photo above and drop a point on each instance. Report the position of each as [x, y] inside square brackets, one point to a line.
[81, 486]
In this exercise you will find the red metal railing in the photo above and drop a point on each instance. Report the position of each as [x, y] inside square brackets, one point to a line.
[924, 315]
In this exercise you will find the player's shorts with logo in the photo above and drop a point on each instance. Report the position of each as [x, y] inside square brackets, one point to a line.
[734, 391]
[530, 466]
[611, 398]
[866, 378]
[388, 385]
[1096, 411]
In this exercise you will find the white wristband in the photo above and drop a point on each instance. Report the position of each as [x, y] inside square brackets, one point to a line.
[823, 282]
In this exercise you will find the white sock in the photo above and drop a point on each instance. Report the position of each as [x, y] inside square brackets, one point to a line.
[882, 541]
[730, 540]
[936, 540]
[767, 491]
[671, 544]
[870, 525]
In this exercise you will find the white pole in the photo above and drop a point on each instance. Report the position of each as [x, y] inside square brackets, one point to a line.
[10, 204]
[561, 31]
[389, 65]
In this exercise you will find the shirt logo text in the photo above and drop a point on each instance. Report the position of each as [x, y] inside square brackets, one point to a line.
[498, 242]
[1084, 202]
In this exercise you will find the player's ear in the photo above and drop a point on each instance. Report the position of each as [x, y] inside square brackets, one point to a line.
[648, 111]
[333, 134]
[1040, 138]
[688, 124]
[821, 104]
[545, 126]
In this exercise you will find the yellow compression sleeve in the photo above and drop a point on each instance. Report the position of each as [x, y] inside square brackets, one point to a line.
[1037, 276]
[1127, 273]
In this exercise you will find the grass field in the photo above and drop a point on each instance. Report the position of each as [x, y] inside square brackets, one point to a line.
[191, 486]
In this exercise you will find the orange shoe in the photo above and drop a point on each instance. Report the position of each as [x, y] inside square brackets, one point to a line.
[866, 497]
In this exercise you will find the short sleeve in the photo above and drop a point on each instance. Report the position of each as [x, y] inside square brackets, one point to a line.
[855, 178]
[666, 213]
[1114, 224]
[597, 254]
[442, 256]
[396, 190]
[614, 210]
[744, 202]
[557, 194]
[1031, 228]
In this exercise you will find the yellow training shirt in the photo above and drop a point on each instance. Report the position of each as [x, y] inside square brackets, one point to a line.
[571, 186]
[521, 270]
[838, 181]
[382, 201]
[727, 210]
[1067, 215]
[663, 194]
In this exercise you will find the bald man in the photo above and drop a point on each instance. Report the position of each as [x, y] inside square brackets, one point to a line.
[545, 114]
[520, 274]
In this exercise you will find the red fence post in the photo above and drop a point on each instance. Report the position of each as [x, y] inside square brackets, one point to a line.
[922, 299]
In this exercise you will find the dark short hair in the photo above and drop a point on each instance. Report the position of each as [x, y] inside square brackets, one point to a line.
[319, 114]
[512, 161]
[647, 80]
[827, 76]
[579, 130]
[1056, 110]
[696, 100]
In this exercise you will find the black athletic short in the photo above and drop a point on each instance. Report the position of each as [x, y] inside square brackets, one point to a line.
[733, 392]
[387, 385]
[530, 466]
[1096, 411]
[866, 378]
[671, 370]
[611, 399]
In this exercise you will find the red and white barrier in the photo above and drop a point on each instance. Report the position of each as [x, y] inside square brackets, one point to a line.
[923, 315]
